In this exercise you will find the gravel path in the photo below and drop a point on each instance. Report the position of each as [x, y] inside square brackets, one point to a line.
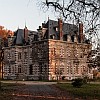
[39, 92]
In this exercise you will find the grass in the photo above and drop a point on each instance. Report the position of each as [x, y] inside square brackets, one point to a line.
[87, 91]
[6, 90]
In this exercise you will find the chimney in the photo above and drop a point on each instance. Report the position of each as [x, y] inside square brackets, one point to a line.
[40, 32]
[81, 32]
[60, 28]
[26, 34]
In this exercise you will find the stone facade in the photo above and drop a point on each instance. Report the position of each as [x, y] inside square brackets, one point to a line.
[17, 62]
[1, 63]
[40, 55]
[57, 51]
[68, 59]
[55, 59]
[62, 51]
[18, 55]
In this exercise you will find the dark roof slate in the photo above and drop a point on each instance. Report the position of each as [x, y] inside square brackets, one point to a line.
[67, 28]
[19, 36]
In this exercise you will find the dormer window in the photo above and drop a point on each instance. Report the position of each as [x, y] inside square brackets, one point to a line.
[52, 36]
[72, 38]
[56, 29]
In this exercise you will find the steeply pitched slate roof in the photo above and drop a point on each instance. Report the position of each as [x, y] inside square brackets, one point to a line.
[51, 25]
[19, 36]
[67, 28]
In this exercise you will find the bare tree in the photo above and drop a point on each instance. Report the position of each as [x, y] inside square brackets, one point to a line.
[85, 11]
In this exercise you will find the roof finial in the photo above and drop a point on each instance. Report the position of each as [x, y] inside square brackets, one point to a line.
[25, 24]
[18, 26]
[48, 17]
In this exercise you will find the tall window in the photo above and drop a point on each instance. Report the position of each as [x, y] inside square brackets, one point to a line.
[9, 69]
[19, 55]
[30, 54]
[13, 69]
[30, 69]
[5, 55]
[25, 54]
[77, 69]
[40, 67]
[19, 69]
[13, 55]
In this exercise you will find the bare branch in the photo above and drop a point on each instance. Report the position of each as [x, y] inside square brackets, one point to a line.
[86, 11]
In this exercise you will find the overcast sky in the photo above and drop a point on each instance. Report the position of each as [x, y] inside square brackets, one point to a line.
[15, 13]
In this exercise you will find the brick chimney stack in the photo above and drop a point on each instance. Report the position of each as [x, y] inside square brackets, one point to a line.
[81, 32]
[26, 34]
[60, 28]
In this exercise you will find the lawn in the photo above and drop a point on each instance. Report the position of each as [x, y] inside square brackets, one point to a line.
[87, 91]
[7, 90]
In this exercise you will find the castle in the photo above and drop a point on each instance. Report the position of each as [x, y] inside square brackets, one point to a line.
[56, 51]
